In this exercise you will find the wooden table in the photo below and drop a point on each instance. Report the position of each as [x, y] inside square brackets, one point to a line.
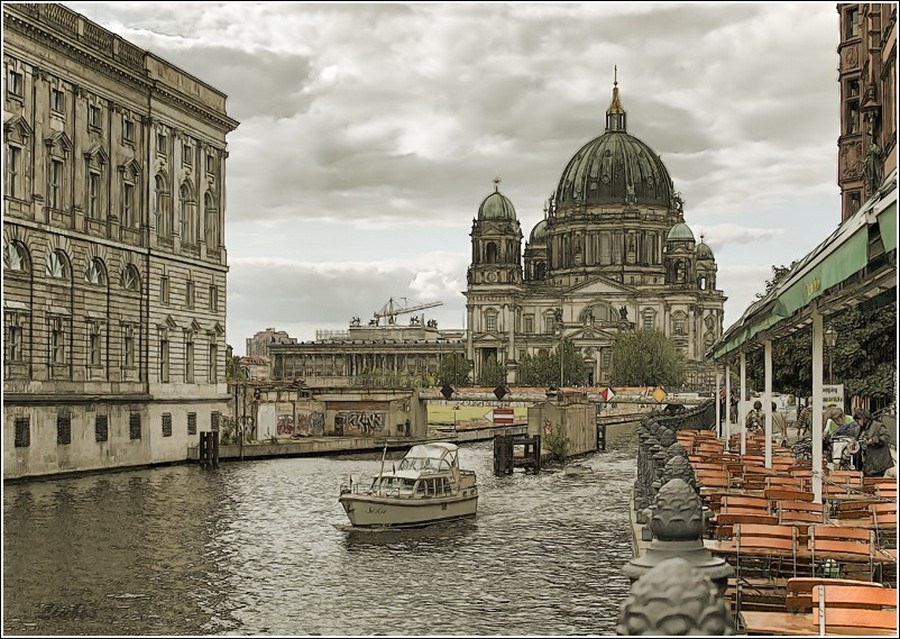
[792, 623]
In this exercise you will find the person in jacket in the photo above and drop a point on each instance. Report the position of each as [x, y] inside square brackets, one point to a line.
[754, 420]
[779, 426]
[875, 441]
[804, 420]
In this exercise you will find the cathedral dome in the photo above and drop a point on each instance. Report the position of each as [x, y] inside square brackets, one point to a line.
[679, 233]
[539, 232]
[703, 251]
[496, 206]
[615, 168]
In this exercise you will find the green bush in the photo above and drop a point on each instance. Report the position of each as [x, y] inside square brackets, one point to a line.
[557, 444]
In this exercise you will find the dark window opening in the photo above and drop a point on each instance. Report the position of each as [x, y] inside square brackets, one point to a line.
[101, 428]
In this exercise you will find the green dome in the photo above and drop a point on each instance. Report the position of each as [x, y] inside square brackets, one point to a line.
[603, 170]
[496, 206]
[680, 232]
[703, 252]
[539, 232]
[615, 168]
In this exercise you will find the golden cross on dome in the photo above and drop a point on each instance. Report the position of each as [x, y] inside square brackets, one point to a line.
[497, 184]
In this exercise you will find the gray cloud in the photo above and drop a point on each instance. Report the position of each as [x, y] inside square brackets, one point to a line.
[371, 132]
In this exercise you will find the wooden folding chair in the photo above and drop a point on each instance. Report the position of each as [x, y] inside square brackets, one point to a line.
[851, 609]
[842, 551]
[765, 556]
[800, 512]
[798, 597]
[724, 523]
[884, 521]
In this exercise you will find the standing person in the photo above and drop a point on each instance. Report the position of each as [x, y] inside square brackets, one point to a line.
[804, 420]
[779, 425]
[832, 419]
[754, 420]
[874, 438]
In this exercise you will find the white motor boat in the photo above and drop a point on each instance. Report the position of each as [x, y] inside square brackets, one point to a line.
[424, 487]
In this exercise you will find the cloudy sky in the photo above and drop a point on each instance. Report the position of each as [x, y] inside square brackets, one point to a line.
[370, 133]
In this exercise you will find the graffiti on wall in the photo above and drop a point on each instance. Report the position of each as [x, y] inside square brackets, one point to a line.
[285, 425]
[364, 422]
[317, 424]
[310, 424]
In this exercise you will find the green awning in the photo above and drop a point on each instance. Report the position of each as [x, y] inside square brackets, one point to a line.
[848, 259]
[839, 265]
[887, 224]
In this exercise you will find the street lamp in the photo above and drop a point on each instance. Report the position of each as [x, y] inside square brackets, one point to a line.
[830, 340]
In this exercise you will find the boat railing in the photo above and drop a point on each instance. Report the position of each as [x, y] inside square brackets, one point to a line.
[354, 489]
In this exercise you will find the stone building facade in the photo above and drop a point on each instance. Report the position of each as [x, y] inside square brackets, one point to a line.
[259, 343]
[367, 355]
[612, 253]
[114, 263]
[867, 146]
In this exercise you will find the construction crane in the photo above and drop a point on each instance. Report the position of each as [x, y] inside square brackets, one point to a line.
[390, 311]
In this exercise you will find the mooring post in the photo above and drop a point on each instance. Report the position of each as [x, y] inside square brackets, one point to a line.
[214, 449]
[601, 437]
[203, 449]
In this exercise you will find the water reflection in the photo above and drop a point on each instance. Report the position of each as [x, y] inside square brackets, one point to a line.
[264, 548]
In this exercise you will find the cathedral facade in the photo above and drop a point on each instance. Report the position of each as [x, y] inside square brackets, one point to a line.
[612, 253]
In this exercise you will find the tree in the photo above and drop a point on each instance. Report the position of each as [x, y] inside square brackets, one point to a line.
[543, 369]
[454, 370]
[492, 374]
[646, 357]
[864, 357]
[538, 370]
[233, 367]
[569, 360]
[778, 274]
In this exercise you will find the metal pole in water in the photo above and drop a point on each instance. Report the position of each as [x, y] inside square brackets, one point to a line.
[381, 472]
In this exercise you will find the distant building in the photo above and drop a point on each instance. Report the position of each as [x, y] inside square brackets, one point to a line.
[259, 343]
[114, 263]
[867, 146]
[254, 367]
[612, 253]
[367, 355]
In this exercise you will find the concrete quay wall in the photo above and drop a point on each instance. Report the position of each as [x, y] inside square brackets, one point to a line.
[313, 446]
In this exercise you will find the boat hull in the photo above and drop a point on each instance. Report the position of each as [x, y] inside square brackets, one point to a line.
[372, 511]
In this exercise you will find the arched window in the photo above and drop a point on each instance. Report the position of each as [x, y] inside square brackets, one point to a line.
[187, 213]
[15, 257]
[491, 253]
[95, 272]
[57, 266]
[131, 279]
[212, 221]
[58, 150]
[161, 208]
[95, 191]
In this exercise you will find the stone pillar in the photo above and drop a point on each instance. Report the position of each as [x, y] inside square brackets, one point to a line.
[677, 527]
[674, 598]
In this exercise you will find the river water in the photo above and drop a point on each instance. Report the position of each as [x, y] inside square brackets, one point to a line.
[263, 548]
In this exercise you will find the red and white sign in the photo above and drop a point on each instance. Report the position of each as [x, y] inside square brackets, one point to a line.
[607, 394]
[501, 416]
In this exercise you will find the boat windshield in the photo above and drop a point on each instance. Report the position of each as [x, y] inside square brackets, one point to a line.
[423, 463]
[390, 484]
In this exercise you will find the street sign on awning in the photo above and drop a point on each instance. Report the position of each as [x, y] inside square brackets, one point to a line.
[607, 394]
[659, 394]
